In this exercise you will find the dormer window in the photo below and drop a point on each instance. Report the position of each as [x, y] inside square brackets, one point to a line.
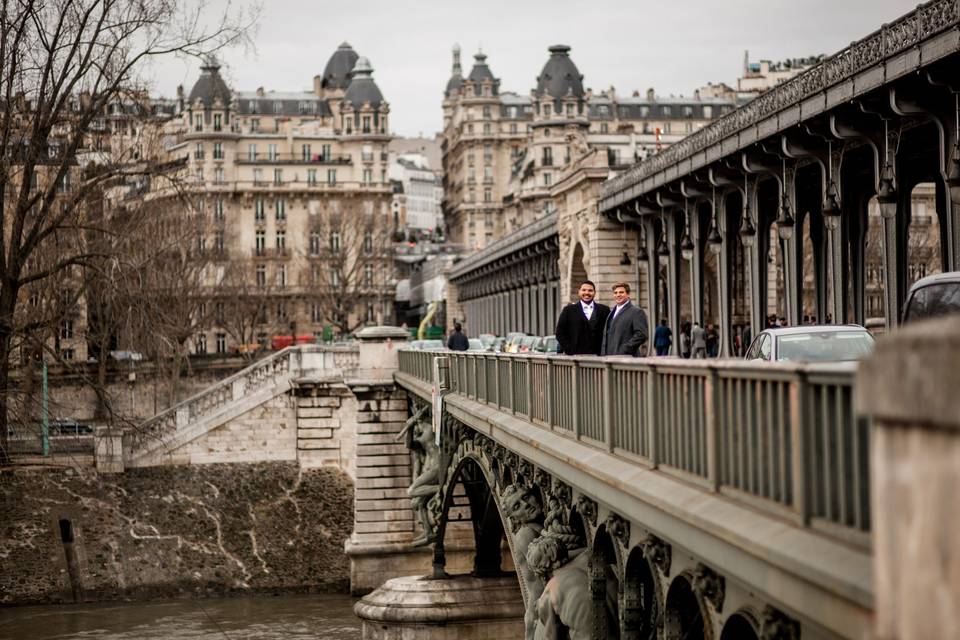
[217, 122]
[547, 109]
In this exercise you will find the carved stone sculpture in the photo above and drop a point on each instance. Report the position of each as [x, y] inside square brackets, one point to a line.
[523, 509]
[709, 585]
[776, 625]
[428, 474]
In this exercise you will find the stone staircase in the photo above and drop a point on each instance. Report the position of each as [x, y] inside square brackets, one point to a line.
[149, 442]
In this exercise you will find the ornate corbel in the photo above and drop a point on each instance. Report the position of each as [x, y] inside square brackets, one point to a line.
[776, 625]
[657, 553]
[562, 492]
[587, 508]
[709, 585]
[619, 529]
[542, 479]
[525, 471]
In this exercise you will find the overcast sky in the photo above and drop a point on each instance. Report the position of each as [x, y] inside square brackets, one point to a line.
[674, 46]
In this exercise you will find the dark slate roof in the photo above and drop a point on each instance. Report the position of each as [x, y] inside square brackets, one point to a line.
[336, 75]
[362, 87]
[281, 103]
[455, 82]
[481, 71]
[560, 76]
[210, 85]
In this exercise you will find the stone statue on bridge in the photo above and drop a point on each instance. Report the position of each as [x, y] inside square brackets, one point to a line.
[428, 470]
[522, 507]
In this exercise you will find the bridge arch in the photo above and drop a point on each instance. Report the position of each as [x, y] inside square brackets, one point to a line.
[742, 625]
[604, 572]
[685, 615]
[642, 594]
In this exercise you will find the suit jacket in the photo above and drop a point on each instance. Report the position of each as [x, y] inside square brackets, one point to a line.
[625, 333]
[577, 335]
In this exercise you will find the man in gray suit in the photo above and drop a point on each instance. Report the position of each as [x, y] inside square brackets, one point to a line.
[626, 328]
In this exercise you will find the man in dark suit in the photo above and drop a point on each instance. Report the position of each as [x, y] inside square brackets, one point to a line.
[626, 329]
[580, 325]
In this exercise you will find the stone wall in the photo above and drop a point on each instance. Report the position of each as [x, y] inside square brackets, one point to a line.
[173, 531]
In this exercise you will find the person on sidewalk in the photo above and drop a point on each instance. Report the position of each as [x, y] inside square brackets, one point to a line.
[698, 340]
[662, 338]
[626, 328]
[580, 325]
[457, 341]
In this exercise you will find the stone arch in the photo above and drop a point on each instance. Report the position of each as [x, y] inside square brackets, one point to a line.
[641, 609]
[577, 270]
[741, 625]
[604, 585]
[685, 616]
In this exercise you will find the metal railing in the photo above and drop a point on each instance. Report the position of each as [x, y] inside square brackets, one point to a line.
[780, 437]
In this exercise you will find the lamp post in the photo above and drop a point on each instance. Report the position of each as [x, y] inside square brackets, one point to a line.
[831, 202]
[748, 233]
[686, 244]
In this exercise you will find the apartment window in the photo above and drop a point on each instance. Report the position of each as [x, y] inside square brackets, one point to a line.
[367, 275]
[367, 176]
[200, 344]
[486, 112]
[218, 241]
[368, 314]
[219, 312]
[258, 176]
[255, 125]
[513, 127]
[335, 242]
[471, 175]
[331, 176]
[366, 124]
[280, 208]
[604, 127]
[281, 310]
[312, 177]
[272, 152]
[66, 329]
[487, 195]
[281, 241]
[316, 316]
[258, 208]
[261, 275]
[368, 242]
[488, 152]
[199, 175]
[488, 173]
[278, 176]
[252, 152]
[282, 276]
[547, 179]
[260, 242]
[547, 109]
[487, 129]
[198, 151]
[217, 122]
[469, 128]
[472, 195]
[666, 110]
[325, 154]
[221, 343]
[688, 112]
[314, 243]
[548, 156]
[218, 175]
[198, 123]
[218, 209]
[217, 151]
[334, 277]
[570, 107]
[707, 111]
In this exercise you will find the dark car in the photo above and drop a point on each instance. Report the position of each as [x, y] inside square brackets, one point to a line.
[936, 295]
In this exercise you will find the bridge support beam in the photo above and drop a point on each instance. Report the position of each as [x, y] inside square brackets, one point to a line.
[908, 388]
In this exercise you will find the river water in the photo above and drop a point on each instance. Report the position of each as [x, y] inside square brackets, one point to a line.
[291, 617]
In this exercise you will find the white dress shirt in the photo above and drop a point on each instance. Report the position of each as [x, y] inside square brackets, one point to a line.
[587, 309]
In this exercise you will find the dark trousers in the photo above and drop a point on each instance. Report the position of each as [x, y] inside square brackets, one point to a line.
[664, 350]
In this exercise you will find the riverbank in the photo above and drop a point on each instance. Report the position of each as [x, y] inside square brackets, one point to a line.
[70, 535]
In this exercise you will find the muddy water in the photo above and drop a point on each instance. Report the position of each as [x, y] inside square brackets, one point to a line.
[294, 617]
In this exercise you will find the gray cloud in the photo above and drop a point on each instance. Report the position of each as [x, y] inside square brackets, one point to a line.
[673, 46]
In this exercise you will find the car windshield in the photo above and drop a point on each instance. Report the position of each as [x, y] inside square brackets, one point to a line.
[551, 344]
[825, 346]
[934, 300]
[475, 344]
[432, 344]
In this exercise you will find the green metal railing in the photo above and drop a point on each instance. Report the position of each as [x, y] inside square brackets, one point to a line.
[781, 437]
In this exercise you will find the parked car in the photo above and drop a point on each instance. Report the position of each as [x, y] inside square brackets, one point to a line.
[527, 344]
[476, 344]
[933, 296]
[488, 339]
[433, 344]
[498, 344]
[822, 343]
[512, 345]
[547, 344]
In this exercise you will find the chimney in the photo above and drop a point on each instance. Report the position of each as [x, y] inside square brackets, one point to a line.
[651, 96]
[317, 89]
[259, 92]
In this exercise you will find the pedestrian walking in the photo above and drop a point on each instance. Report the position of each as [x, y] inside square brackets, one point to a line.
[685, 340]
[663, 338]
[713, 341]
[457, 341]
[626, 328]
[698, 341]
[580, 325]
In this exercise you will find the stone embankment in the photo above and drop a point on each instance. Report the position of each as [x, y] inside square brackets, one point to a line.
[173, 531]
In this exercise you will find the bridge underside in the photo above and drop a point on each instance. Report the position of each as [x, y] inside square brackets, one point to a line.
[653, 554]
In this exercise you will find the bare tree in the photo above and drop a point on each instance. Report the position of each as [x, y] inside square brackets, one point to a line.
[64, 63]
[246, 296]
[348, 273]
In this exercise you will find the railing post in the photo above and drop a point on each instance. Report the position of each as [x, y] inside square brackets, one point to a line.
[799, 415]
[496, 378]
[529, 386]
[607, 399]
[575, 401]
[513, 391]
[652, 414]
[711, 400]
[550, 394]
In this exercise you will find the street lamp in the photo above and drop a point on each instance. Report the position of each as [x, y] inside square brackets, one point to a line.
[642, 253]
[686, 244]
[887, 193]
[662, 249]
[831, 203]
[785, 221]
[714, 239]
[748, 233]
